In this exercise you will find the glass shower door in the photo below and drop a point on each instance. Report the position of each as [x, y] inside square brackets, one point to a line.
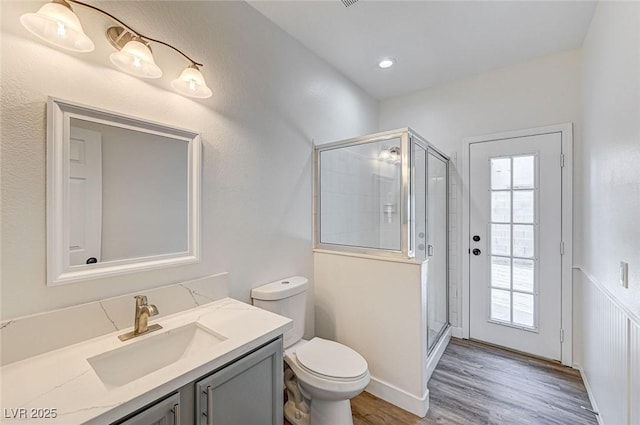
[437, 305]
[420, 202]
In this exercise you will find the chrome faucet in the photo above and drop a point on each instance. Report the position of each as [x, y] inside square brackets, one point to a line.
[140, 324]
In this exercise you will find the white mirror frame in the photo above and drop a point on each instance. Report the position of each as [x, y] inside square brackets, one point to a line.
[59, 271]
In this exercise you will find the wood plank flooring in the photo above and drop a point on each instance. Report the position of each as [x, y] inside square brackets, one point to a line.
[479, 384]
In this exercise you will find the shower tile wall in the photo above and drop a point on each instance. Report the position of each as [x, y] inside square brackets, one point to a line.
[355, 186]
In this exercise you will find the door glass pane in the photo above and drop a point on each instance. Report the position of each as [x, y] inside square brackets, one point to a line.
[500, 173]
[501, 207]
[500, 305]
[501, 272]
[523, 240]
[420, 202]
[523, 206]
[437, 304]
[513, 218]
[523, 275]
[523, 172]
[523, 309]
[501, 239]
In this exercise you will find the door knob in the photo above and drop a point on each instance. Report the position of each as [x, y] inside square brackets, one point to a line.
[476, 251]
[476, 238]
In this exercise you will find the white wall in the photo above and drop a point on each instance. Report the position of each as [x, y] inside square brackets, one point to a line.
[271, 98]
[611, 153]
[532, 94]
[377, 308]
[609, 314]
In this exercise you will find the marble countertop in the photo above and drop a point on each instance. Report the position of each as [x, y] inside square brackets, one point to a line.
[65, 381]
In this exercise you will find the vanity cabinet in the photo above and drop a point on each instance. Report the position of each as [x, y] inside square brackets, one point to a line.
[247, 391]
[164, 412]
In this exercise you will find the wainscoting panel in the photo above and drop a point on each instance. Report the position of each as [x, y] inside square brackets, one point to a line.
[634, 375]
[610, 362]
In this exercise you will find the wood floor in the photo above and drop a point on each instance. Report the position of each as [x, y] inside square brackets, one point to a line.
[479, 384]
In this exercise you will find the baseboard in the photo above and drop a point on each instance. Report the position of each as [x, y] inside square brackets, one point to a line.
[456, 332]
[394, 395]
[592, 399]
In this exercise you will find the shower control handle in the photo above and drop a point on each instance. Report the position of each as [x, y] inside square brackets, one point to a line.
[476, 251]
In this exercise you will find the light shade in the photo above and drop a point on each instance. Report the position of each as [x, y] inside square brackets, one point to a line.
[191, 83]
[56, 23]
[136, 59]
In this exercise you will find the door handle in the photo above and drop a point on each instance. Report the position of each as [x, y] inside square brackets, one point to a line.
[430, 250]
[476, 251]
[476, 238]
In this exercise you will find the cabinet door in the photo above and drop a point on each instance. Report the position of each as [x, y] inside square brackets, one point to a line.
[248, 391]
[165, 412]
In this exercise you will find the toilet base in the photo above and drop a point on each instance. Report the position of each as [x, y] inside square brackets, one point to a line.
[295, 416]
[326, 412]
[323, 412]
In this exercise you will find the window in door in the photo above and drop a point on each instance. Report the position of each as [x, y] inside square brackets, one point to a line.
[513, 230]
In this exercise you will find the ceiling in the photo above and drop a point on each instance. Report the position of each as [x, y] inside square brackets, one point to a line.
[432, 41]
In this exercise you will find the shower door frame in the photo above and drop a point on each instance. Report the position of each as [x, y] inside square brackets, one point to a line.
[429, 149]
[406, 212]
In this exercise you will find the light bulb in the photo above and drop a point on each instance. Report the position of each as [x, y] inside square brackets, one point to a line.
[56, 23]
[386, 63]
[135, 58]
[191, 83]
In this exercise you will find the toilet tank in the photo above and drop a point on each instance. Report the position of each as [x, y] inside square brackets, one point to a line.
[288, 298]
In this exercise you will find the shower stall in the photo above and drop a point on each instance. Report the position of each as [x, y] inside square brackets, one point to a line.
[381, 255]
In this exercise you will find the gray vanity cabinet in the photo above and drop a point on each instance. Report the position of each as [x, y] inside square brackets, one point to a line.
[164, 412]
[248, 391]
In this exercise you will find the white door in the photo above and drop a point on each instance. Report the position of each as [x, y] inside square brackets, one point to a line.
[85, 196]
[515, 243]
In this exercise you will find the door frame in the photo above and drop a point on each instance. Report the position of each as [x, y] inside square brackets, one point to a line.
[566, 261]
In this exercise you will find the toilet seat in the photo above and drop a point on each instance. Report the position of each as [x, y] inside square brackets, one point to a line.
[331, 360]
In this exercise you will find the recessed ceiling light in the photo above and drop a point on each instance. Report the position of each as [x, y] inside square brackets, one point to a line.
[386, 63]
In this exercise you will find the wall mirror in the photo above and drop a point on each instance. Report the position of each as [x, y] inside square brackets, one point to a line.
[123, 194]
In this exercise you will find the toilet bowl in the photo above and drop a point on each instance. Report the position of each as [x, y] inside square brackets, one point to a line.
[328, 374]
[321, 376]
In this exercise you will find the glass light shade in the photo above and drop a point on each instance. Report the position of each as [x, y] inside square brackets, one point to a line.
[56, 23]
[191, 83]
[136, 59]
[384, 155]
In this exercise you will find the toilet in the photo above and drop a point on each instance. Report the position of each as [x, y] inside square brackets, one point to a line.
[321, 376]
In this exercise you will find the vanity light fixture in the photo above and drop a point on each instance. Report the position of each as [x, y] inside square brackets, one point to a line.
[56, 23]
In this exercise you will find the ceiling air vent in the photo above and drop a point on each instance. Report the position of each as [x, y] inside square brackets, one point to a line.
[348, 3]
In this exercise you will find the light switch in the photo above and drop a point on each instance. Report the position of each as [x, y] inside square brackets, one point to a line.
[624, 274]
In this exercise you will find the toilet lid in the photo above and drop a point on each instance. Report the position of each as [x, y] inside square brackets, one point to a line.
[331, 359]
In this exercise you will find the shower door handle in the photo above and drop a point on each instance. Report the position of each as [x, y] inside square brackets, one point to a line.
[430, 250]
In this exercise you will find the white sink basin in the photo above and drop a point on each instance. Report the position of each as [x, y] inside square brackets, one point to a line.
[123, 365]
